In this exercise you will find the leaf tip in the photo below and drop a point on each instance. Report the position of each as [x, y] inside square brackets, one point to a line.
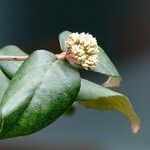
[135, 128]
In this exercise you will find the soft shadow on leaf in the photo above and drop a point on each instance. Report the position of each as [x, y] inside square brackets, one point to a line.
[104, 66]
[97, 97]
[71, 111]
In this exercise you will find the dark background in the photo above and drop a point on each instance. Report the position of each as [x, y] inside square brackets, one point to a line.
[122, 28]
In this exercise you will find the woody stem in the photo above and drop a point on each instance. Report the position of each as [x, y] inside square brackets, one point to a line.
[22, 58]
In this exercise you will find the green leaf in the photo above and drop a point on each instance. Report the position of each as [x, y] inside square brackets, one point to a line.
[10, 67]
[97, 97]
[63, 37]
[16, 51]
[4, 82]
[104, 66]
[40, 92]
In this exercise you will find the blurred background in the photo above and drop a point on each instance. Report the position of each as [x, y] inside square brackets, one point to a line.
[122, 28]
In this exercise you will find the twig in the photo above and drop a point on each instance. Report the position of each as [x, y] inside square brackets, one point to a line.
[12, 58]
[22, 58]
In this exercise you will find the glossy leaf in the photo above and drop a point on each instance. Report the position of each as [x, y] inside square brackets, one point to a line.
[97, 97]
[104, 66]
[40, 92]
[10, 67]
[4, 82]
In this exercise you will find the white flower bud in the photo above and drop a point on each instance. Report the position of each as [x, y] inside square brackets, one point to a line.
[84, 48]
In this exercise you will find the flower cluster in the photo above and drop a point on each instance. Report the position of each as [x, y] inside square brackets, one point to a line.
[83, 47]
